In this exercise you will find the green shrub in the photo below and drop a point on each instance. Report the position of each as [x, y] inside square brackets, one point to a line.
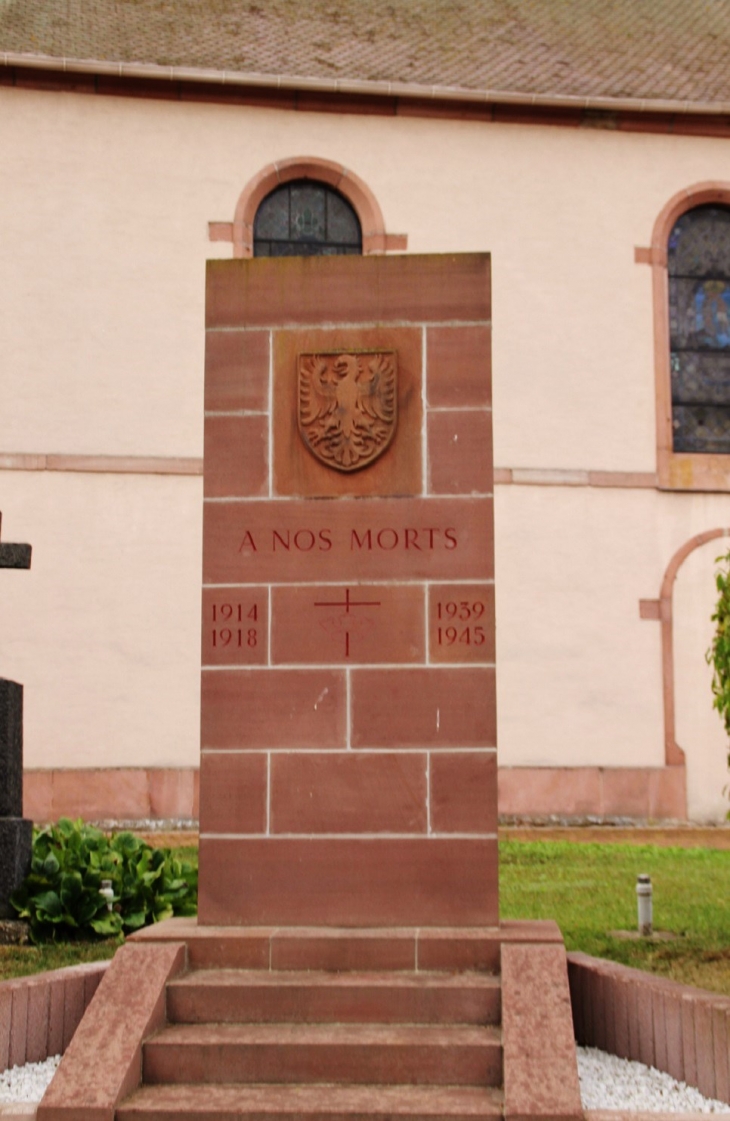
[60, 897]
[719, 653]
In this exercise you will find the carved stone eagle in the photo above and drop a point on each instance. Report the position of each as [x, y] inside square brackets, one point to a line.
[348, 406]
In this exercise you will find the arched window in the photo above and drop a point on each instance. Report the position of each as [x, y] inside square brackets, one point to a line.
[698, 266]
[344, 197]
[690, 262]
[304, 218]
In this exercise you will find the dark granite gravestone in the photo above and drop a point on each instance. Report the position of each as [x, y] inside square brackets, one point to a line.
[15, 831]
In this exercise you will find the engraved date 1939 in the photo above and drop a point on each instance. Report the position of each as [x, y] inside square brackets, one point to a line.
[457, 623]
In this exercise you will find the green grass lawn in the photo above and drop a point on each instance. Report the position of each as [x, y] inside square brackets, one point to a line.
[19, 961]
[589, 889]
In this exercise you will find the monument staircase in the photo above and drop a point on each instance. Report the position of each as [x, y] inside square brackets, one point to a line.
[340, 1029]
[195, 1023]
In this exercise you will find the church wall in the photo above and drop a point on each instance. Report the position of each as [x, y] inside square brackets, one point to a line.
[103, 228]
[579, 676]
[104, 631]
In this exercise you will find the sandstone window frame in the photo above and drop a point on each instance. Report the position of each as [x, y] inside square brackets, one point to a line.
[375, 239]
[678, 471]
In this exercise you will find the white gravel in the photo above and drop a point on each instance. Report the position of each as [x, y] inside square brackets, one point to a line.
[607, 1082]
[27, 1083]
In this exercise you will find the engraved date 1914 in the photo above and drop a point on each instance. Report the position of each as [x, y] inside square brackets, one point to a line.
[232, 625]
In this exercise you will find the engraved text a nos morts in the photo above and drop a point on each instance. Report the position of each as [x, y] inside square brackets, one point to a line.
[347, 406]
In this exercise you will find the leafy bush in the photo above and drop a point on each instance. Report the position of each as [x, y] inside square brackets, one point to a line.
[61, 897]
[719, 653]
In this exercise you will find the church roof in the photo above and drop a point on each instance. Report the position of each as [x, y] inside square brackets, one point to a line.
[639, 51]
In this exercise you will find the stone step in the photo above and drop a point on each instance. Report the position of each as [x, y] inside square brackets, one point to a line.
[337, 949]
[312, 1103]
[337, 1053]
[250, 996]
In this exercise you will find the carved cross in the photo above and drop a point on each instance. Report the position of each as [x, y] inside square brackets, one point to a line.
[347, 603]
[14, 556]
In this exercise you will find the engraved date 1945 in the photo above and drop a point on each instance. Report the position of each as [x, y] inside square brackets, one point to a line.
[461, 627]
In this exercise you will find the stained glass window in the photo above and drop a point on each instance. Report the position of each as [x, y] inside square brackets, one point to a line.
[699, 330]
[305, 219]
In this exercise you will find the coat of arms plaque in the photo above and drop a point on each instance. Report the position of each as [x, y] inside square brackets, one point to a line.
[348, 405]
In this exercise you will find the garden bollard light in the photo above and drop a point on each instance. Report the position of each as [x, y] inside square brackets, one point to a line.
[108, 892]
[643, 900]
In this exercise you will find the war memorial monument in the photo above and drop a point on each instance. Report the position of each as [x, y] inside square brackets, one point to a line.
[348, 959]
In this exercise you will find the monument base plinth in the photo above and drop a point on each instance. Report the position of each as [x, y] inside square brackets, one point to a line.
[348, 882]
[303, 1023]
[16, 842]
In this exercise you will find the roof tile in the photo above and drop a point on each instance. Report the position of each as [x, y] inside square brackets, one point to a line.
[666, 49]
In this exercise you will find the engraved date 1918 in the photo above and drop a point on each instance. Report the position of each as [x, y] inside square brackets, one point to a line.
[459, 617]
[232, 625]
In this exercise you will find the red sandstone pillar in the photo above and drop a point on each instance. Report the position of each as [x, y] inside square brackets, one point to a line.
[348, 741]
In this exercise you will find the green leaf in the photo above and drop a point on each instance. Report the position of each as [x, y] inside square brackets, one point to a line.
[136, 920]
[72, 888]
[110, 924]
[50, 865]
[49, 903]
